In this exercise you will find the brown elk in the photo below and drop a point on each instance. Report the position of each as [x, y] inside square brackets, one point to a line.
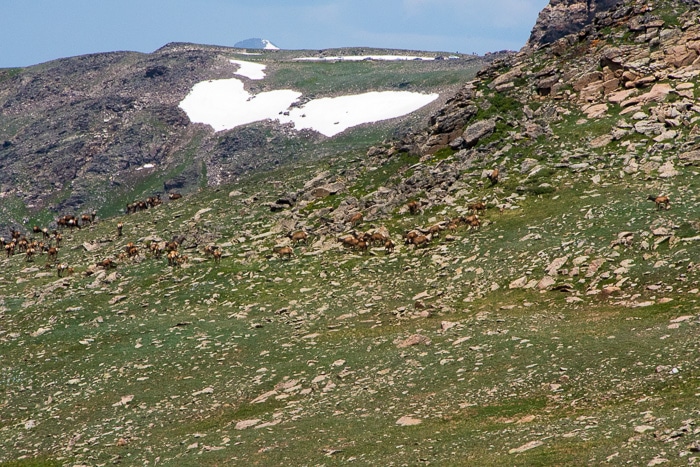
[107, 264]
[298, 237]
[155, 249]
[413, 207]
[420, 240]
[409, 236]
[61, 268]
[173, 258]
[493, 176]
[283, 251]
[377, 238]
[217, 255]
[478, 206]
[355, 219]
[173, 196]
[52, 254]
[10, 248]
[472, 221]
[434, 230]
[661, 201]
[348, 241]
[120, 226]
[389, 246]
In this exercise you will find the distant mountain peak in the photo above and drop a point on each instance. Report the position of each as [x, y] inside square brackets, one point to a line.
[256, 43]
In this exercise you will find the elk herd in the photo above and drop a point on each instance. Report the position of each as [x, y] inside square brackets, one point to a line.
[43, 241]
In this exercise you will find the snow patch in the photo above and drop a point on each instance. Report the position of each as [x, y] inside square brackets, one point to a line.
[250, 70]
[225, 104]
[332, 115]
[358, 58]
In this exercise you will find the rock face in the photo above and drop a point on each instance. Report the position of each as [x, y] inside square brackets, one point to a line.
[564, 17]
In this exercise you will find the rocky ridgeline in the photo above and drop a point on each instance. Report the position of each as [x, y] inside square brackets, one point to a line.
[628, 63]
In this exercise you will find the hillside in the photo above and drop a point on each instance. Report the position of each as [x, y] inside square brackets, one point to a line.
[98, 131]
[559, 327]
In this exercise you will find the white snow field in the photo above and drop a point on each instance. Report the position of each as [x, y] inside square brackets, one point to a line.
[332, 115]
[358, 58]
[225, 104]
[250, 70]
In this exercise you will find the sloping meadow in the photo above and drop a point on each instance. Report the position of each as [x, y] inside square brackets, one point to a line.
[435, 354]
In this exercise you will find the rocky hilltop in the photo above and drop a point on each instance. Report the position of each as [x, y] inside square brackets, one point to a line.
[564, 17]
[97, 131]
[634, 66]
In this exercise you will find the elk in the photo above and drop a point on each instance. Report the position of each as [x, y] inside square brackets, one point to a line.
[106, 264]
[413, 207]
[478, 206]
[348, 241]
[420, 240]
[53, 254]
[120, 226]
[298, 237]
[283, 251]
[356, 219]
[61, 268]
[661, 201]
[173, 258]
[153, 201]
[434, 230]
[155, 249]
[472, 221]
[409, 236]
[493, 176]
[389, 246]
[10, 249]
[217, 255]
[377, 238]
[173, 196]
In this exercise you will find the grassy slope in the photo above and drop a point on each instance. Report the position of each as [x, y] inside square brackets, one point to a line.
[196, 345]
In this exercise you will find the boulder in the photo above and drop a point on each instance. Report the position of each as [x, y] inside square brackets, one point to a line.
[690, 157]
[327, 190]
[477, 131]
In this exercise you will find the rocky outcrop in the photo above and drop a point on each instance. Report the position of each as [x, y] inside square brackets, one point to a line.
[563, 17]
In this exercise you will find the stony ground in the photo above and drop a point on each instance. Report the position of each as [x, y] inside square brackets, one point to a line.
[539, 338]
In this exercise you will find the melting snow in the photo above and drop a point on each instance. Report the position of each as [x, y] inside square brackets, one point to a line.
[332, 115]
[249, 69]
[357, 58]
[225, 104]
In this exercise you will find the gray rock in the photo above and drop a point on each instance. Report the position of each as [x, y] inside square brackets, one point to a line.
[477, 131]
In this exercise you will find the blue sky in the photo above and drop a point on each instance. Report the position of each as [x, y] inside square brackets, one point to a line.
[35, 31]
